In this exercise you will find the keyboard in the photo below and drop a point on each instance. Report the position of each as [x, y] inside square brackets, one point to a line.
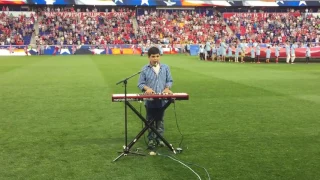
[149, 97]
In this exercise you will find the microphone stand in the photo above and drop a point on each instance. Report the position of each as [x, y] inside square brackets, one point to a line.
[126, 150]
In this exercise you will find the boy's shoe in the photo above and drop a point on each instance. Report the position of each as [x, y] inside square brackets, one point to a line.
[161, 143]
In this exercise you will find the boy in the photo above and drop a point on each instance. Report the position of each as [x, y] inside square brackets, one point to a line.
[308, 53]
[288, 52]
[201, 53]
[155, 77]
[258, 52]
[277, 53]
[230, 53]
[293, 52]
[268, 54]
[253, 55]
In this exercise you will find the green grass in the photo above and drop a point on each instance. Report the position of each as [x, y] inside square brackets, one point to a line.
[243, 121]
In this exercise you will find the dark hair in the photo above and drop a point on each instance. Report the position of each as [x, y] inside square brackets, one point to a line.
[153, 50]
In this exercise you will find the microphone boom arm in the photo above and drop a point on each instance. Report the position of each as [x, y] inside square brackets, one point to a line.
[126, 79]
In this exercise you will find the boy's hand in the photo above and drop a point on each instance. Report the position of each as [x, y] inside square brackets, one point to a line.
[149, 91]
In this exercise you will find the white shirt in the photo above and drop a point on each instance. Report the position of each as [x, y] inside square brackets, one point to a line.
[156, 68]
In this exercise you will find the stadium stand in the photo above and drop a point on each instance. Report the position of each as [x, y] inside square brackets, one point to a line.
[275, 27]
[88, 28]
[15, 30]
[82, 25]
[179, 26]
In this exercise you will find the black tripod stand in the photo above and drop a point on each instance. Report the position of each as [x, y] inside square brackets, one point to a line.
[126, 149]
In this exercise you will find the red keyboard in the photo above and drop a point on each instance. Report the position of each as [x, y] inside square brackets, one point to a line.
[150, 97]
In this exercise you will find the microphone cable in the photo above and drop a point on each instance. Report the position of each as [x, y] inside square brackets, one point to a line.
[174, 158]
[186, 165]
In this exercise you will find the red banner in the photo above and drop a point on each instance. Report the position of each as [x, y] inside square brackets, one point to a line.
[82, 14]
[257, 15]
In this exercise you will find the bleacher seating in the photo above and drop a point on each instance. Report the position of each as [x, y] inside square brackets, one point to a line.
[165, 26]
[274, 28]
[179, 26]
[15, 30]
[87, 28]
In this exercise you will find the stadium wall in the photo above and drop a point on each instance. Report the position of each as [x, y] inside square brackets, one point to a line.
[111, 49]
[129, 49]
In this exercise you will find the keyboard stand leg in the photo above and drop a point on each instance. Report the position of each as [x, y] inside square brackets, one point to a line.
[126, 148]
[147, 127]
[127, 152]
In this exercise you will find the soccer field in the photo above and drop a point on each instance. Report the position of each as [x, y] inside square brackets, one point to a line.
[242, 121]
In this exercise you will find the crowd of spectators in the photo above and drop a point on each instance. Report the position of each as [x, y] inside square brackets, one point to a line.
[113, 27]
[182, 26]
[15, 30]
[64, 26]
[275, 28]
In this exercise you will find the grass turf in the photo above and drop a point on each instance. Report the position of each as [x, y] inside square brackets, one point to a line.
[243, 121]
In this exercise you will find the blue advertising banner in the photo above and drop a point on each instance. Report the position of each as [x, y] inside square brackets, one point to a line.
[194, 49]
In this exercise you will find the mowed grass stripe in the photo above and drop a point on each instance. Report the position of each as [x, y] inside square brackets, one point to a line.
[52, 113]
[65, 126]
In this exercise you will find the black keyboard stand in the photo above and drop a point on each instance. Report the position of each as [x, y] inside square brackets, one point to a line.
[126, 148]
[147, 126]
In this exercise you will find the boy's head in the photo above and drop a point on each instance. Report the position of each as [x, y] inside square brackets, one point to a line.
[153, 51]
[154, 56]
